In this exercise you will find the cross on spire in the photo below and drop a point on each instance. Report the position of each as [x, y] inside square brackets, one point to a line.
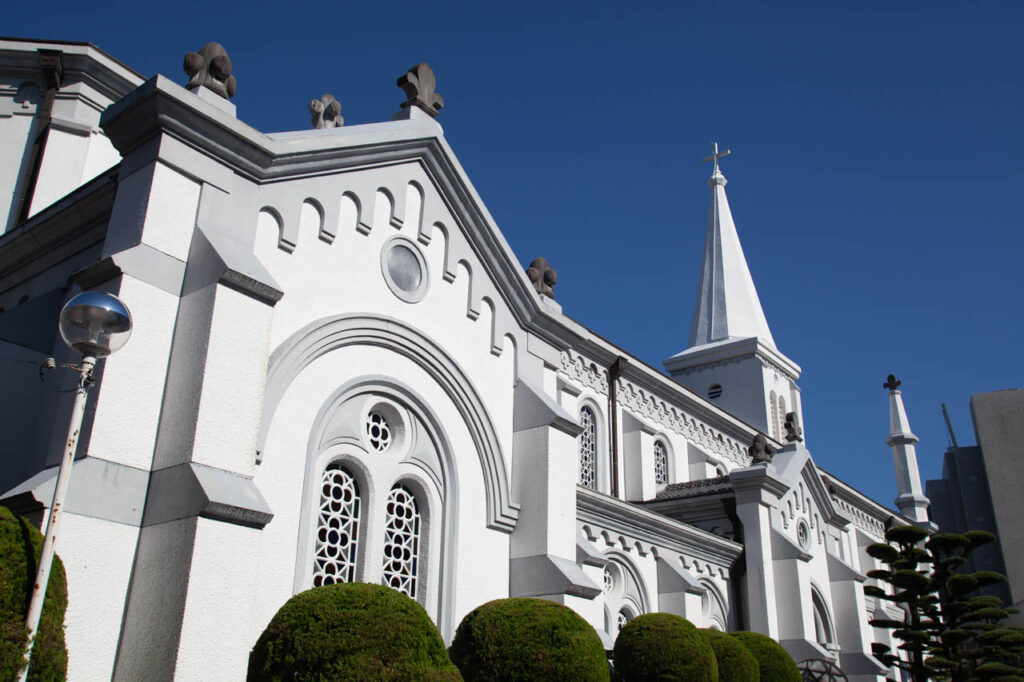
[715, 156]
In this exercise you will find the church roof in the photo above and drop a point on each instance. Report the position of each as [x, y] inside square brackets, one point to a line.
[727, 305]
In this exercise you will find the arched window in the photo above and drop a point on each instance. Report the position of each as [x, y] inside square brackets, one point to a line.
[337, 531]
[402, 541]
[822, 622]
[660, 463]
[588, 449]
[782, 416]
[621, 620]
[774, 423]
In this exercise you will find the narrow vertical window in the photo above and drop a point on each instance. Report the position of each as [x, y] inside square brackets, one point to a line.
[402, 541]
[782, 416]
[660, 463]
[337, 528]
[588, 449]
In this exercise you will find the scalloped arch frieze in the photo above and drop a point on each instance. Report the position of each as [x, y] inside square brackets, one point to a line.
[580, 370]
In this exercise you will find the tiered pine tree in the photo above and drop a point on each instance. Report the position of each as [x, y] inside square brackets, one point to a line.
[947, 634]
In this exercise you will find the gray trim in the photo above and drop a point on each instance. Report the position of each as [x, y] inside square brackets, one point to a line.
[532, 408]
[839, 570]
[142, 262]
[192, 489]
[783, 548]
[802, 649]
[70, 125]
[623, 518]
[331, 333]
[672, 578]
[587, 554]
[98, 488]
[216, 258]
[860, 663]
[544, 575]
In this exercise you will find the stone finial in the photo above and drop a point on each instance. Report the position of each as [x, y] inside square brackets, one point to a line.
[891, 383]
[211, 67]
[543, 276]
[326, 112]
[419, 84]
[794, 434]
[760, 451]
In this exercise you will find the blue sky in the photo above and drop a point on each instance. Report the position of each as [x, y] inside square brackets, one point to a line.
[875, 176]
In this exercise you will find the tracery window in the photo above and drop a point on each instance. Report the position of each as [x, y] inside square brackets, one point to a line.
[337, 528]
[588, 449]
[379, 431]
[401, 541]
[621, 620]
[660, 463]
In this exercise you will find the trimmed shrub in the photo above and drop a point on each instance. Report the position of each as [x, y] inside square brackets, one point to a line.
[527, 639]
[20, 546]
[775, 664]
[662, 646]
[350, 631]
[735, 662]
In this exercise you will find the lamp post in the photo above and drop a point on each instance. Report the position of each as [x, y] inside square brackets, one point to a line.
[94, 324]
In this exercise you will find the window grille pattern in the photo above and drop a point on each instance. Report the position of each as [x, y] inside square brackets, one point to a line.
[588, 449]
[337, 528]
[378, 430]
[621, 620]
[660, 463]
[401, 541]
[609, 580]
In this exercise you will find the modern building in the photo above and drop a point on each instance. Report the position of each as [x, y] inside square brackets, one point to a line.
[980, 489]
[339, 371]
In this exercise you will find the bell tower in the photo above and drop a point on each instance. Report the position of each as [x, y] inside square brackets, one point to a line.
[731, 358]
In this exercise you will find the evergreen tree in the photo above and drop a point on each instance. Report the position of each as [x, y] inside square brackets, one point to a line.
[947, 634]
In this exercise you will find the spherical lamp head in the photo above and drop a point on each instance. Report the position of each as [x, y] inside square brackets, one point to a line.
[95, 323]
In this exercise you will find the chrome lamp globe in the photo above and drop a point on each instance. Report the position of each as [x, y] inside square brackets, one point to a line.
[94, 324]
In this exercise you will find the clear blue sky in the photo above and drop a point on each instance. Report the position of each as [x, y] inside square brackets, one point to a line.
[875, 179]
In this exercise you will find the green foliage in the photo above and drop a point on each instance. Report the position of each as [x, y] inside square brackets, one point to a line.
[735, 662]
[948, 634]
[774, 663]
[353, 632]
[527, 639]
[20, 547]
[662, 646]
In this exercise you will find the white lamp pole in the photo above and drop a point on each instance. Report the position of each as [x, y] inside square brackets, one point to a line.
[94, 324]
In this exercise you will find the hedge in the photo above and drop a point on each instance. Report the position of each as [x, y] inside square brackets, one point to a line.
[350, 631]
[663, 646]
[20, 547]
[775, 664]
[528, 639]
[735, 662]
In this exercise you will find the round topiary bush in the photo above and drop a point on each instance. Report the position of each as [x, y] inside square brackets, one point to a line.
[735, 662]
[20, 546]
[774, 663]
[350, 631]
[662, 646]
[527, 639]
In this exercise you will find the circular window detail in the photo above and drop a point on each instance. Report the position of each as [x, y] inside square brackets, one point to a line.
[378, 431]
[621, 620]
[404, 268]
[803, 534]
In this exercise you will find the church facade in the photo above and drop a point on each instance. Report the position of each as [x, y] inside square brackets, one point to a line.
[339, 371]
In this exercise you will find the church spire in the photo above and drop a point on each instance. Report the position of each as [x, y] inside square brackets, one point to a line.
[911, 501]
[727, 304]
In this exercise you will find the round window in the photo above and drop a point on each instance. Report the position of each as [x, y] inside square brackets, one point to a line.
[404, 269]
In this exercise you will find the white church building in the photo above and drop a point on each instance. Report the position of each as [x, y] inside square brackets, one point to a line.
[339, 371]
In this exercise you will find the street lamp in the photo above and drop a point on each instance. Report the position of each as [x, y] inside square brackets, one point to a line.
[94, 324]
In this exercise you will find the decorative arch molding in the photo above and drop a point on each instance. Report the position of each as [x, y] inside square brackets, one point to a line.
[328, 334]
[638, 595]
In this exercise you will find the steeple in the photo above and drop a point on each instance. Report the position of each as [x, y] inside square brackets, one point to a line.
[910, 500]
[731, 356]
[727, 304]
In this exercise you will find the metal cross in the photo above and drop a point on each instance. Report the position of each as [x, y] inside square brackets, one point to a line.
[715, 156]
